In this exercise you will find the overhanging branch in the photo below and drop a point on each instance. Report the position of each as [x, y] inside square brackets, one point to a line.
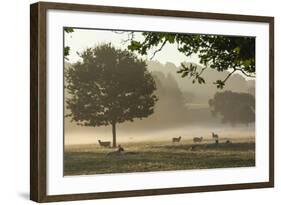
[159, 49]
[246, 74]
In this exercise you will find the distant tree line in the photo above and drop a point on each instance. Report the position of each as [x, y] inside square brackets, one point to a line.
[233, 107]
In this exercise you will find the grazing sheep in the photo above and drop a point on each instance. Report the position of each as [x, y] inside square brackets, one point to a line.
[197, 139]
[104, 143]
[227, 142]
[177, 139]
[117, 152]
[215, 136]
[121, 149]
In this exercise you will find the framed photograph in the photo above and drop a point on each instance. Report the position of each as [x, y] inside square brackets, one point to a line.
[135, 102]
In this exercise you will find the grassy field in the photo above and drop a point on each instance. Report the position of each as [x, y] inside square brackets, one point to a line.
[158, 156]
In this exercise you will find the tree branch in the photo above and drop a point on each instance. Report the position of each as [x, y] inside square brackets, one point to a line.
[246, 74]
[159, 49]
[130, 37]
[234, 70]
[220, 83]
[202, 70]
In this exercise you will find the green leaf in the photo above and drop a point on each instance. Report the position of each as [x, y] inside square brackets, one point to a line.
[184, 74]
[68, 30]
[200, 80]
[135, 45]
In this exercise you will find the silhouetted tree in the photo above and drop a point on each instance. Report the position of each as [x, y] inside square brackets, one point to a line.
[235, 54]
[109, 86]
[233, 107]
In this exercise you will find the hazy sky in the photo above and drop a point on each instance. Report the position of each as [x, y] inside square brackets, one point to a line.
[81, 39]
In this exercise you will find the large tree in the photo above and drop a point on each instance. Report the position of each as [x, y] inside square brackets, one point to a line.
[222, 53]
[233, 107]
[109, 86]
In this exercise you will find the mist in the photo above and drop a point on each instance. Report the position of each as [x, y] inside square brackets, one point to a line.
[182, 109]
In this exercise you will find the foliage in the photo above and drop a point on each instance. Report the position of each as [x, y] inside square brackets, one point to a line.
[221, 53]
[233, 107]
[66, 49]
[68, 30]
[109, 86]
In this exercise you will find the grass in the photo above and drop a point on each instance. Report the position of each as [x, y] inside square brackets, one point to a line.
[158, 156]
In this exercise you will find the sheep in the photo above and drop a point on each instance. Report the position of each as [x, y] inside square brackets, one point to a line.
[119, 151]
[227, 142]
[197, 139]
[215, 136]
[104, 143]
[176, 139]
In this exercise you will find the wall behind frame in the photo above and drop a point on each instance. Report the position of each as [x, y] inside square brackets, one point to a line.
[14, 103]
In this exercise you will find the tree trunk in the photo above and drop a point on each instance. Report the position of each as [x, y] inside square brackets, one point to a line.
[114, 134]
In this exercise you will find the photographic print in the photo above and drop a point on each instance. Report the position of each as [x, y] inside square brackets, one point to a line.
[136, 102]
[148, 101]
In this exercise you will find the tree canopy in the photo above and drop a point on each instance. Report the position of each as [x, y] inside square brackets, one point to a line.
[66, 49]
[222, 53]
[233, 107]
[109, 86]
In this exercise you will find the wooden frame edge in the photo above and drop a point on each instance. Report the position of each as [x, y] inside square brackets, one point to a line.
[34, 191]
[153, 12]
[38, 174]
[271, 100]
[37, 102]
[155, 192]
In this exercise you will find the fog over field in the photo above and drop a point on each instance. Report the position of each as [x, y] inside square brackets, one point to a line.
[92, 135]
[182, 110]
[150, 101]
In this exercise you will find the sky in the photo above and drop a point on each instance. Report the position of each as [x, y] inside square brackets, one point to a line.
[81, 39]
